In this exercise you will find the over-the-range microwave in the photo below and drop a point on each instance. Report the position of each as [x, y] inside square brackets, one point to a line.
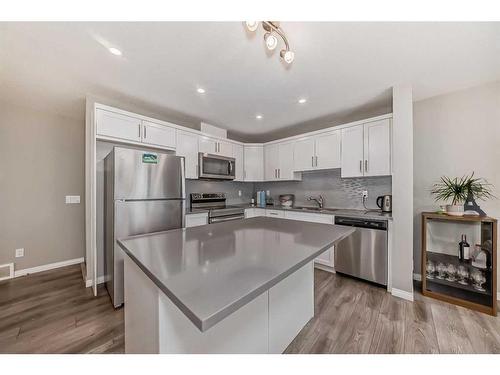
[216, 166]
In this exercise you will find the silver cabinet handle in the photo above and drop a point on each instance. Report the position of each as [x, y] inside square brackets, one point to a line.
[361, 166]
[312, 161]
[139, 126]
[145, 132]
[366, 165]
[316, 161]
[279, 172]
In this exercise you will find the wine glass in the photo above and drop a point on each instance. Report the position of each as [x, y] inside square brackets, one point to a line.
[430, 268]
[463, 275]
[441, 271]
[451, 273]
[479, 279]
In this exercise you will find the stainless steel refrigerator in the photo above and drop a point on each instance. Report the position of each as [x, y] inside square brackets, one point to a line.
[144, 193]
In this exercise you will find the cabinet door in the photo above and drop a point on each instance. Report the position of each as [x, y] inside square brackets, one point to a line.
[187, 146]
[328, 150]
[195, 220]
[158, 135]
[303, 155]
[271, 162]
[239, 161]
[285, 168]
[208, 145]
[116, 125]
[377, 148]
[275, 213]
[225, 149]
[352, 151]
[254, 163]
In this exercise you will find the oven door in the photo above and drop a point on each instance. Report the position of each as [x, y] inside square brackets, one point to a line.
[216, 167]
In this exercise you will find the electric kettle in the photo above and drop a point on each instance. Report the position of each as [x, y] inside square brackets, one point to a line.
[384, 202]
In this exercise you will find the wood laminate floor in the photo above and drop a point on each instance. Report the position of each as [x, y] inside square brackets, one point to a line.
[52, 312]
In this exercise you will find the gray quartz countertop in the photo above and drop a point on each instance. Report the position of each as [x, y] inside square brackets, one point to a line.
[368, 214]
[349, 212]
[212, 270]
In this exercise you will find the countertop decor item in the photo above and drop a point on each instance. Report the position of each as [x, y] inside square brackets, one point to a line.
[471, 284]
[462, 192]
[287, 200]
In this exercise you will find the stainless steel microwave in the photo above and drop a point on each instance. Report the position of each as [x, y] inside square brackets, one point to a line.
[216, 167]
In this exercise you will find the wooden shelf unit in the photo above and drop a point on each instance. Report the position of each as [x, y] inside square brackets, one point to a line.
[453, 292]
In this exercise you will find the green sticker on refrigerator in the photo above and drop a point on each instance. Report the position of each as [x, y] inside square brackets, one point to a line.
[150, 158]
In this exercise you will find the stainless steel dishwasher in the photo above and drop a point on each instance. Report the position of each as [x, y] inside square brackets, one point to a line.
[364, 253]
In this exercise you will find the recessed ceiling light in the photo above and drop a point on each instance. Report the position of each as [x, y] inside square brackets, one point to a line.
[258, 117]
[200, 90]
[115, 51]
[302, 100]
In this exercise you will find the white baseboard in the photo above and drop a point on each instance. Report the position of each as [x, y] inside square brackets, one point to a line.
[402, 294]
[10, 266]
[100, 280]
[417, 277]
[47, 267]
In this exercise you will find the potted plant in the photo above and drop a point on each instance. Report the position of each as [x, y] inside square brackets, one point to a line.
[458, 190]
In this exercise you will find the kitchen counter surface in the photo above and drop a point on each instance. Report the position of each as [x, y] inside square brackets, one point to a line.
[211, 271]
[368, 214]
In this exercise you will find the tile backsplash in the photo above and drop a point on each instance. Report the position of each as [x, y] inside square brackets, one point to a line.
[338, 192]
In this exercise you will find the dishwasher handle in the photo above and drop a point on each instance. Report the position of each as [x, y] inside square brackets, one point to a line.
[361, 223]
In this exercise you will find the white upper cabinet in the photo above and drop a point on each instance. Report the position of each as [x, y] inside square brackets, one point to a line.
[278, 162]
[158, 135]
[366, 149]
[115, 125]
[328, 150]
[225, 149]
[303, 154]
[352, 151]
[187, 146]
[319, 152]
[271, 162]
[254, 163]
[216, 147]
[239, 162]
[208, 145]
[378, 148]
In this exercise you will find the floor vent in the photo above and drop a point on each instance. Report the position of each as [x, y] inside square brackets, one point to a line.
[6, 271]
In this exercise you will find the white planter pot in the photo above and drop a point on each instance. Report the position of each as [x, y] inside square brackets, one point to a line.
[455, 209]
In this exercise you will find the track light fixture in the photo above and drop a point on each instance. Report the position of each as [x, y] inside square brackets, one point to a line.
[272, 29]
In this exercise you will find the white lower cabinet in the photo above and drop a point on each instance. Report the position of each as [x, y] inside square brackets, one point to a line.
[195, 220]
[254, 212]
[327, 258]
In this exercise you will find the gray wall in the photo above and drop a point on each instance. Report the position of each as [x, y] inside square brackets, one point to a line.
[455, 134]
[41, 161]
[338, 192]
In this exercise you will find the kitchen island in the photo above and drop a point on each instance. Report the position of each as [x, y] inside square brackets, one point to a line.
[244, 286]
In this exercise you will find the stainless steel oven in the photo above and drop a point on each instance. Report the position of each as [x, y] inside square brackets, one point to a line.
[216, 166]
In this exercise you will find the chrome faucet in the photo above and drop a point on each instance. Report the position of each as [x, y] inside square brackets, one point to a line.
[319, 200]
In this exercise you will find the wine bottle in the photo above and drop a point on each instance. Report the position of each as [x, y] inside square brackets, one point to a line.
[466, 248]
[461, 248]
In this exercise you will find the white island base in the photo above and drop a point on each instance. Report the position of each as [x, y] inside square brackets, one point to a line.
[267, 324]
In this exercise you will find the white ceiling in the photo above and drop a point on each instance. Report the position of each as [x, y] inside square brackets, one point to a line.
[338, 67]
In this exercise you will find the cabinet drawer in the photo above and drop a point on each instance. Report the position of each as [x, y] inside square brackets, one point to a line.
[275, 213]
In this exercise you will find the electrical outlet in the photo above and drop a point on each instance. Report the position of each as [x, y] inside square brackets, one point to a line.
[239, 193]
[72, 199]
[365, 194]
[19, 253]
